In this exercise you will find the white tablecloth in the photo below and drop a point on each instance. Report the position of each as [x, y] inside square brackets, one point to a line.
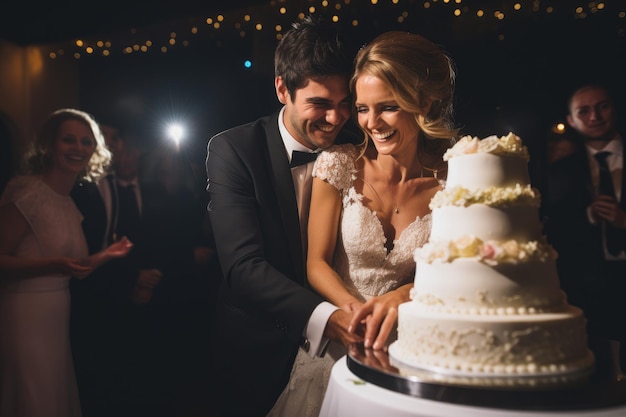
[348, 395]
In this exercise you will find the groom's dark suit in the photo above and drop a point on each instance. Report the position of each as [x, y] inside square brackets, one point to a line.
[264, 303]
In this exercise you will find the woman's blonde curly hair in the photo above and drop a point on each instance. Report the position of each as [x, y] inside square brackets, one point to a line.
[39, 159]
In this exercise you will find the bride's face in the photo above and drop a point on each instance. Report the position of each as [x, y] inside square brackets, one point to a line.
[391, 129]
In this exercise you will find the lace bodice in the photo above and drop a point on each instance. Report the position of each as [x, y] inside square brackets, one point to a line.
[361, 258]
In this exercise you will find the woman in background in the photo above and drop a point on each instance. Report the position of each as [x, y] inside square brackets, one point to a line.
[369, 205]
[42, 246]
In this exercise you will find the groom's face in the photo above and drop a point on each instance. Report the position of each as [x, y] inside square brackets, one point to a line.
[315, 113]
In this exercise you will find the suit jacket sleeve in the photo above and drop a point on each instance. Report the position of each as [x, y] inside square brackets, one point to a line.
[253, 214]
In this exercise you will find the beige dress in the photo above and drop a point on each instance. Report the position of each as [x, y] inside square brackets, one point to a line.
[36, 370]
[362, 261]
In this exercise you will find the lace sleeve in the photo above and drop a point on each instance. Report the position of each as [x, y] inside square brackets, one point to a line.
[336, 165]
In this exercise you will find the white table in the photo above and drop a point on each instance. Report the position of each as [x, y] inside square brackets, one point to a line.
[348, 395]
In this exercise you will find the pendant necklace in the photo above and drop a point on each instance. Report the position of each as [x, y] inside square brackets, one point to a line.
[397, 206]
[434, 171]
[396, 209]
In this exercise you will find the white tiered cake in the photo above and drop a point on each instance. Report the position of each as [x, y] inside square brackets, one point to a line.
[487, 300]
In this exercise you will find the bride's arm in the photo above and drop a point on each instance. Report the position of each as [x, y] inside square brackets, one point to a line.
[322, 239]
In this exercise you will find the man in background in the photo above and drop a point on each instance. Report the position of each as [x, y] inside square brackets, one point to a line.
[586, 221]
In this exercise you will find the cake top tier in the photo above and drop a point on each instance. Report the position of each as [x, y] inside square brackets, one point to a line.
[510, 145]
[487, 164]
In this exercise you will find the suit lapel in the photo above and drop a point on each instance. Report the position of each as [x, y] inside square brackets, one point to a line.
[286, 195]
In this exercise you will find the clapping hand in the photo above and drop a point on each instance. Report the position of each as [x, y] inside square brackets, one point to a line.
[74, 267]
[119, 249]
[149, 278]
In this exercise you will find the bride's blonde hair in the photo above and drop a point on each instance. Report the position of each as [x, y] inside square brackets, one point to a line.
[420, 75]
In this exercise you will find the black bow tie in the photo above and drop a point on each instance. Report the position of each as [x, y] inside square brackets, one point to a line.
[300, 158]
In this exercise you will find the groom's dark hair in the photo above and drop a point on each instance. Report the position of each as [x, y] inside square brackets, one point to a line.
[311, 49]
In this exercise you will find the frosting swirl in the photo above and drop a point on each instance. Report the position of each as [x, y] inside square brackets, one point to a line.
[510, 144]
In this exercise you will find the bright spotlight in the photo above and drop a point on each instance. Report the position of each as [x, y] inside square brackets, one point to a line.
[175, 132]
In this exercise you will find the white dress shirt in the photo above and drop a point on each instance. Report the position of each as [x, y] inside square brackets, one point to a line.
[303, 181]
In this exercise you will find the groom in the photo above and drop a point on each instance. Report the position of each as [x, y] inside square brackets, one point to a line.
[259, 209]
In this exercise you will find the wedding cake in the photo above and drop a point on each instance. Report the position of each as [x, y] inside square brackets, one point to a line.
[487, 300]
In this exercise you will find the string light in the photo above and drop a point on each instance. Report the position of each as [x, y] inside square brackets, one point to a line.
[278, 15]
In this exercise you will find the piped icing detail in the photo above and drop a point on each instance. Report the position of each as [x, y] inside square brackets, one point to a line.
[490, 252]
[510, 144]
[492, 196]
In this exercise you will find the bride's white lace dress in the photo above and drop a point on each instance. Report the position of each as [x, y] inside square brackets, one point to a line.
[367, 269]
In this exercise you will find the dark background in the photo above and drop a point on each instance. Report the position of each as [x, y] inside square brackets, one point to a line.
[513, 74]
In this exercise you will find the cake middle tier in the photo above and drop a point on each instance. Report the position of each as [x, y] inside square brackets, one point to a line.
[484, 170]
[468, 286]
[485, 222]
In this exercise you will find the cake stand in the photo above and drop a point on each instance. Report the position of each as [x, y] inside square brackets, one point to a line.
[583, 390]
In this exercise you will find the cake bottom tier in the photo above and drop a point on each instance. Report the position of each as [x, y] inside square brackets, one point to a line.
[519, 345]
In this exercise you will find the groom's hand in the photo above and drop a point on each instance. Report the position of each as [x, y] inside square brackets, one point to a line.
[337, 329]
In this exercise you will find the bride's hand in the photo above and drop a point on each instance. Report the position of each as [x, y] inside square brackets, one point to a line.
[351, 307]
[376, 319]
